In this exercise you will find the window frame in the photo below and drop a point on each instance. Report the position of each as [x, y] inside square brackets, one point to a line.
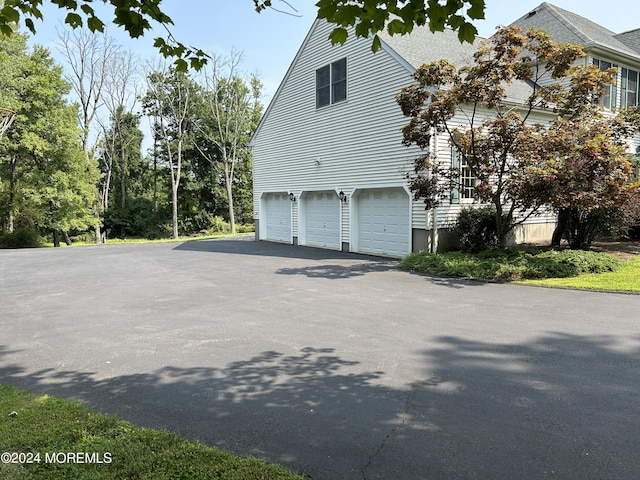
[464, 191]
[624, 87]
[337, 86]
[612, 90]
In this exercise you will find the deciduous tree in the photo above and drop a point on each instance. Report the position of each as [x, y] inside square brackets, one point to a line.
[43, 171]
[231, 113]
[487, 130]
[169, 102]
[577, 163]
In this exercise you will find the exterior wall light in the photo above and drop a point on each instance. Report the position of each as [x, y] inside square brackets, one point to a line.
[343, 196]
[292, 197]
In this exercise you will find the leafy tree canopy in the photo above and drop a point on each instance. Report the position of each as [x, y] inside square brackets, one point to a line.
[398, 17]
[367, 16]
[577, 161]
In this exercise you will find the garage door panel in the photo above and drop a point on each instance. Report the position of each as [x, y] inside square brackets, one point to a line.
[384, 222]
[278, 208]
[322, 219]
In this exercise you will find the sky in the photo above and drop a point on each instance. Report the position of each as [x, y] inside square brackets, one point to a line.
[270, 40]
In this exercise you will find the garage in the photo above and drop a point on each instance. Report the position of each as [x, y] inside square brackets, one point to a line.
[320, 219]
[278, 216]
[383, 222]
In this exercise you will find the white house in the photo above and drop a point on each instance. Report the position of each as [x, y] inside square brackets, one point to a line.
[329, 165]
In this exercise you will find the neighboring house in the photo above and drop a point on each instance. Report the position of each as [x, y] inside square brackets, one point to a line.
[329, 165]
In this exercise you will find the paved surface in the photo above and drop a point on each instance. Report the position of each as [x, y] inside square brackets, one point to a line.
[338, 366]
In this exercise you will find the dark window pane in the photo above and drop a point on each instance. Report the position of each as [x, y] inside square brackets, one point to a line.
[339, 91]
[323, 86]
[632, 88]
[339, 80]
[339, 70]
[323, 97]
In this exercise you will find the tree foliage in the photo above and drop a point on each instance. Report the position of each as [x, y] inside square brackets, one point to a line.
[45, 179]
[398, 17]
[471, 107]
[231, 111]
[580, 166]
[169, 101]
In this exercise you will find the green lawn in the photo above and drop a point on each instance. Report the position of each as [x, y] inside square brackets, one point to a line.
[118, 241]
[45, 438]
[625, 279]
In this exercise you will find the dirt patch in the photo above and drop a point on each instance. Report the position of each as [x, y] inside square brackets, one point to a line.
[621, 249]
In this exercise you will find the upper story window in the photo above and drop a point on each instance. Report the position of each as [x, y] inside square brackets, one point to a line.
[628, 88]
[611, 93]
[331, 83]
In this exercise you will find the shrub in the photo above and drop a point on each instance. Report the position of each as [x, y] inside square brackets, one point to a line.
[476, 229]
[20, 238]
[246, 228]
[512, 263]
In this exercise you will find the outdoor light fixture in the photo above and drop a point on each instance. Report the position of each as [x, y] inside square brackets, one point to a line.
[343, 196]
[292, 197]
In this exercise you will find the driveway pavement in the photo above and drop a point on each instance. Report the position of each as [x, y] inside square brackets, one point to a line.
[338, 366]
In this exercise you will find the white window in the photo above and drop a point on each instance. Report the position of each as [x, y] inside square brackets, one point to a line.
[609, 98]
[464, 186]
[628, 88]
[331, 83]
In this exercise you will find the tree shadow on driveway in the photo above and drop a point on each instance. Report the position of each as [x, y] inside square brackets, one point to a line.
[559, 406]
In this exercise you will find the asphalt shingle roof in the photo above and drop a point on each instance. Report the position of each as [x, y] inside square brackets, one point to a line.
[423, 46]
[568, 27]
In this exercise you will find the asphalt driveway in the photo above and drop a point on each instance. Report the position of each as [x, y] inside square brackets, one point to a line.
[338, 366]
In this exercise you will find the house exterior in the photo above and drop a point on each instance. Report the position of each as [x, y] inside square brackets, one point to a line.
[329, 165]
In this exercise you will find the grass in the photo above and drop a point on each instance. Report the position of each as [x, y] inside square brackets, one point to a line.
[118, 241]
[512, 264]
[626, 279]
[55, 434]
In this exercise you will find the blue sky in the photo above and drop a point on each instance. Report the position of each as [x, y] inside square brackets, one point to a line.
[270, 40]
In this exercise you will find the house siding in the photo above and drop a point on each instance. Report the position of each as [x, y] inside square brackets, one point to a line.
[345, 146]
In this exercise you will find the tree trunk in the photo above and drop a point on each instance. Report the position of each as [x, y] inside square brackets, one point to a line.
[174, 208]
[500, 227]
[12, 194]
[96, 215]
[232, 218]
[561, 228]
[67, 239]
[56, 238]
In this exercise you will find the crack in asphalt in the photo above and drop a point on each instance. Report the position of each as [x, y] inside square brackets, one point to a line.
[403, 419]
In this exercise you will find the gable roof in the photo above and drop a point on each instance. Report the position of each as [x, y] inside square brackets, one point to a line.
[567, 27]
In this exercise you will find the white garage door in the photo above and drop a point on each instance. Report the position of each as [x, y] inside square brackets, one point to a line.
[384, 222]
[278, 207]
[322, 219]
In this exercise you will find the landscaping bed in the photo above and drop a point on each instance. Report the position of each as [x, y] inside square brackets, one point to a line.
[512, 263]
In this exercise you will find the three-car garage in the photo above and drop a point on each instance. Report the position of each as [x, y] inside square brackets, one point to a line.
[373, 220]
